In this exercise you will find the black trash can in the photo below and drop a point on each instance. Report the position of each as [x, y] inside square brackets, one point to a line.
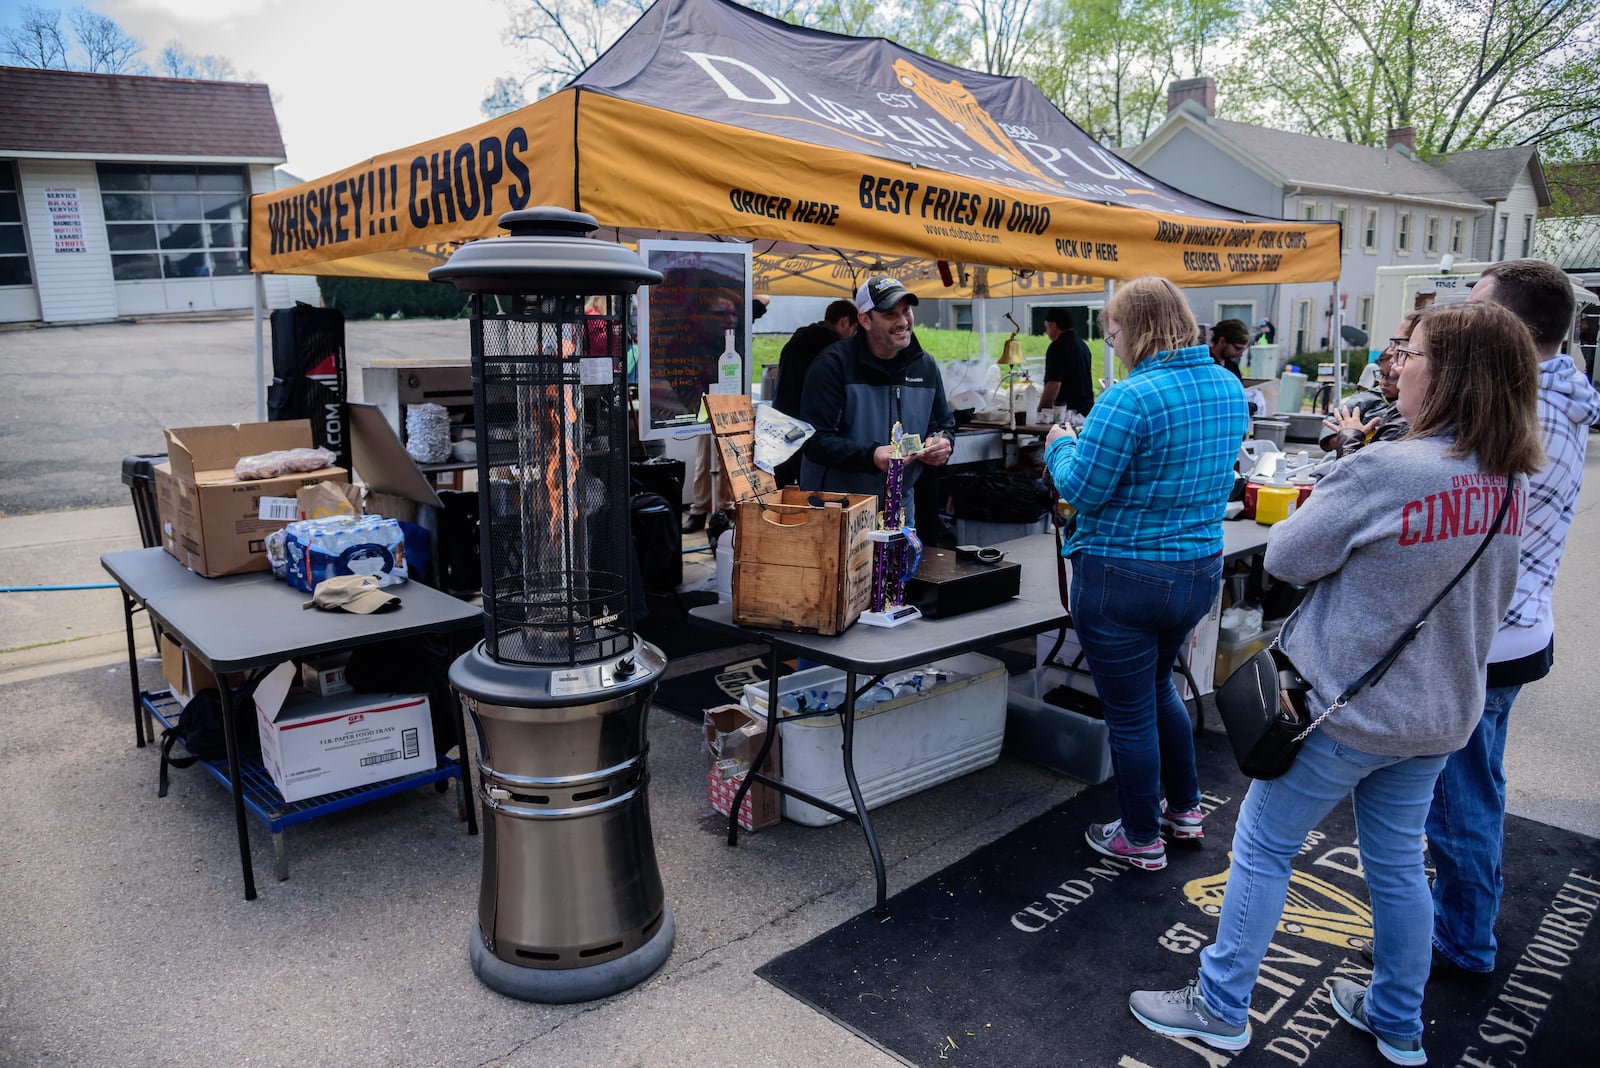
[139, 475]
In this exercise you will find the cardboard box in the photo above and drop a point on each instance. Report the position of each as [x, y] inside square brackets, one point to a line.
[211, 521]
[324, 675]
[188, 676]
[313, 746]
[733, 738]
[800, 567]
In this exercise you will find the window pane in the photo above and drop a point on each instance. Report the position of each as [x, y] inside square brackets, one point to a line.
[177, 206]
[124, 177]
[11, 240]
[191, 266]
[183, 180]
[223, 206]
[10, 209]
[8, 177]
[227, 235]
[131, 237]
[221, 181]
[121, 207]
[135, 268]
[229, 263]
[14, 271]
[179, 235]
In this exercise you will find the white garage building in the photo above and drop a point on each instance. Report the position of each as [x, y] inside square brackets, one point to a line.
[127, 196]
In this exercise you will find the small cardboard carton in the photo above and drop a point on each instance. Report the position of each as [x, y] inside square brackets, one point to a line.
[316, 745]
[216, 524]
[186, 675]
[733, 738]
[803, 566]
[324, 675]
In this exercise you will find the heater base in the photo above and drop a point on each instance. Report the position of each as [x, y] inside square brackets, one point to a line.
[564, 986]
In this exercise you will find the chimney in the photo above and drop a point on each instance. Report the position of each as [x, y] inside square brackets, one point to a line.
[1400, 135]
[1202, 91]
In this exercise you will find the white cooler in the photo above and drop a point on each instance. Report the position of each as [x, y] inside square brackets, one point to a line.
[901, 745]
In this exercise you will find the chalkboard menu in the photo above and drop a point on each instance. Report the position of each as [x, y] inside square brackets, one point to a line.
[704, 292]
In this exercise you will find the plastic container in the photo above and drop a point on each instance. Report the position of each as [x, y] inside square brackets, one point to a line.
[139, 475]
[1275, 503]
[1058, 738]
[1291, 391]
[1273, 430]
[902, 745]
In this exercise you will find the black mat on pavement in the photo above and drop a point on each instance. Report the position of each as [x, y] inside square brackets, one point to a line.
[1024, 952]
[690, 695]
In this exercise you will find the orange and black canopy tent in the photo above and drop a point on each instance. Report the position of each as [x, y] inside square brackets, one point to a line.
[834, 157]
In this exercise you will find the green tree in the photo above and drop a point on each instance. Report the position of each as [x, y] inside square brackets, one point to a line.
[1107, 63]
[1464, 75]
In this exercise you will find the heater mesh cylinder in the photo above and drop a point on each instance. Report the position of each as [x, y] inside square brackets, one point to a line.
[553, 466]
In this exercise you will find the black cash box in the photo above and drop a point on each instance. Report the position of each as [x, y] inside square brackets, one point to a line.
[947, 586]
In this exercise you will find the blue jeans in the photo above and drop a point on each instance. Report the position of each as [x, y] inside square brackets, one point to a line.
[1132, 617]
[1466, 829]
[1391, 804]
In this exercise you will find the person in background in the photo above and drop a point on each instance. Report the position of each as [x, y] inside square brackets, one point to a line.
[1466, 823]
[1229, 339]
[1361, 421]
[1068, 378]
[1266, 332]
[794, 363]
[1149, 476]
[1468, 385]
[861, 386]
[721, 314]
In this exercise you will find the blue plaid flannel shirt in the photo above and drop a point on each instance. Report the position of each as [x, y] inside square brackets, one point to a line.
[1151, 470]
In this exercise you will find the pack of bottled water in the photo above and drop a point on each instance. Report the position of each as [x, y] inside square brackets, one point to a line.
[317, 549]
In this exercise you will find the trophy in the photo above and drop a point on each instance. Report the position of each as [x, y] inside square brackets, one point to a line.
[896, 550]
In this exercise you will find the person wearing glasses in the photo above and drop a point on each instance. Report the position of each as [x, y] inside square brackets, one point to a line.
[861, 386]
[1149, 476]
[1419, 508]
[1355, 425]
[1229, 339]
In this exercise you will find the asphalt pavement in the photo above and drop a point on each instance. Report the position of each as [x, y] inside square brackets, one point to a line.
[127, 941]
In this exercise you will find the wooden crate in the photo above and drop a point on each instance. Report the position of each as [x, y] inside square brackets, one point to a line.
[799, 567]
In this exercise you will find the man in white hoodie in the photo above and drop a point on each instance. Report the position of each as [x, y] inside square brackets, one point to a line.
[1466, 823]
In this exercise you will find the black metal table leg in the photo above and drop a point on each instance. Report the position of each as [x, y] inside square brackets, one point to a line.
[133, 669]
[236, 778]
[848, 721]
[760, 761]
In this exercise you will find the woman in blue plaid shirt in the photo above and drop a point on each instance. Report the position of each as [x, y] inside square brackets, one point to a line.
[1149, 475]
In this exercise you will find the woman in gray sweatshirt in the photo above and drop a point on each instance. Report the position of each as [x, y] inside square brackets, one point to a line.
[1390, 525]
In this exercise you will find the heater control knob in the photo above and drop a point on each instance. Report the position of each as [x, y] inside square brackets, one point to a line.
[626, 667]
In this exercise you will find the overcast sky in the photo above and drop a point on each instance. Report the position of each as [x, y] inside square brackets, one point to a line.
[349, 78]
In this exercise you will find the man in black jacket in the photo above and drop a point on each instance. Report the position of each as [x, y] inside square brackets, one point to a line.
[861, 386]
[794, 363]
[1068, 379]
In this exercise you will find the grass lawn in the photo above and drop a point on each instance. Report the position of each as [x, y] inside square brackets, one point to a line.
[946, 345]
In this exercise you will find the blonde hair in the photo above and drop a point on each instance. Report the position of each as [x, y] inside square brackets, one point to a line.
[1483, 386]
[1152, 317]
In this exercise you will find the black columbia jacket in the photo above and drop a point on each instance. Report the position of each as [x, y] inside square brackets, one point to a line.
[853, 399]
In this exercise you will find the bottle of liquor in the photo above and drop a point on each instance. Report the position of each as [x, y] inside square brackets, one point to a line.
[730, 366]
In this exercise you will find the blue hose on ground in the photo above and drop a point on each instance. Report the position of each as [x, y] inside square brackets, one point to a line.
[44, 589]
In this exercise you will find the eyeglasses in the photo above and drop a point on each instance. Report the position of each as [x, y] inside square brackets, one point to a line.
[1398, 340]
[1111, 338]
[1402, 354]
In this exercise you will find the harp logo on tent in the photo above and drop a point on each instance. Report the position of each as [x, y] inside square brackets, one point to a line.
[955, 102]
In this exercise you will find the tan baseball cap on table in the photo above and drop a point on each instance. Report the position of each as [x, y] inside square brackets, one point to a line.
[361, 594]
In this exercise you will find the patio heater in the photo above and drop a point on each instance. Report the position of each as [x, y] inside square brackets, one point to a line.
[571, 906]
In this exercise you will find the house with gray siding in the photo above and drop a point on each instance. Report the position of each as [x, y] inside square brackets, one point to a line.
[1394, 208]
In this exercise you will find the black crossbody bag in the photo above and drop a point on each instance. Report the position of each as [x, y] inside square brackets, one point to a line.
[1263, 703]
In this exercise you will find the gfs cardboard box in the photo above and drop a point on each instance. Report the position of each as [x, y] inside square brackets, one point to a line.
[216, 524]
[315, 745]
